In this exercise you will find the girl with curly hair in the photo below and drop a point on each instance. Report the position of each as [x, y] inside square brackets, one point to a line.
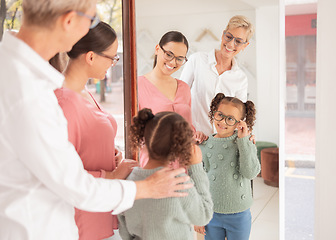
[168, 137]
[230, 160]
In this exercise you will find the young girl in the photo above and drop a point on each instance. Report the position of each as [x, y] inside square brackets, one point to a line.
[167, 136]
[230, 160]
[158, 90]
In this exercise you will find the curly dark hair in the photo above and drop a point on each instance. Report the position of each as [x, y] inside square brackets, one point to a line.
[248, 109]
[167, 136]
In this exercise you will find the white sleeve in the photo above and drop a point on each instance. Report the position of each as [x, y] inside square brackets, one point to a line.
[37, 131]
[188, 71]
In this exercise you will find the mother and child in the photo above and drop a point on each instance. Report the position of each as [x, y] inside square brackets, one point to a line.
[165, 130]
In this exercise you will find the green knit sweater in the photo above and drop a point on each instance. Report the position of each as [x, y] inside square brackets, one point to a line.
[169, 218]
[230, 164]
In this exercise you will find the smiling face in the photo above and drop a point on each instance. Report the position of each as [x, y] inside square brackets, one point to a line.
[227, 109]
[228, 48]
[167, 67]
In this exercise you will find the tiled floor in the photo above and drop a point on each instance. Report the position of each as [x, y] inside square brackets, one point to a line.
[265, 211]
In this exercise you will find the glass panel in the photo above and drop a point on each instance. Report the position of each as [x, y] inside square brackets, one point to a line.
[300, 137]
[310, 73]
[292, 73]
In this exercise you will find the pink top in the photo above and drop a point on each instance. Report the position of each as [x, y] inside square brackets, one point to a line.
[149, 96]
[92, 132]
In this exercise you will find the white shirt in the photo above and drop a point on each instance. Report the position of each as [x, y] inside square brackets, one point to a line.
[202, 77]
[41, 176]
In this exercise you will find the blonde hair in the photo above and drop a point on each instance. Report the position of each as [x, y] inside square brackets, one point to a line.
[43, 13]
[243, 22]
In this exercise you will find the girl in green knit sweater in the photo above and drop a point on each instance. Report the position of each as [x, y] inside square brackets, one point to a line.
[168, 137]
[230, 160]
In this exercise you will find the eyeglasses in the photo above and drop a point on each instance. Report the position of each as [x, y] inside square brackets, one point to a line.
[114, 59]
[229, 120]
[168, 55]
[228, 37]
[94, 20]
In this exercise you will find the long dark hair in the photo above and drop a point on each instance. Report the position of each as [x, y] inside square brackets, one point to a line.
[171, 36]
[98, 39]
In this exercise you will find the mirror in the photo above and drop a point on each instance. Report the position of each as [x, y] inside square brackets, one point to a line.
[203, 22]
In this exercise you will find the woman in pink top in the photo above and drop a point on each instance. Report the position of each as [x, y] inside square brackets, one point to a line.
[159, 91]
[91, 129]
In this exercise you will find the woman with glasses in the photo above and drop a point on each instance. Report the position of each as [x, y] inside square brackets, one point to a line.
[90, 129]
[158, 90]
[208, 73]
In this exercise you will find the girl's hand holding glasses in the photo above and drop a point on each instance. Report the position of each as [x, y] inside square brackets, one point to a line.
[243, 130]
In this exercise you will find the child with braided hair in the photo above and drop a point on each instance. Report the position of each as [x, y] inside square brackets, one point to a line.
[168, 137]
[230, 160]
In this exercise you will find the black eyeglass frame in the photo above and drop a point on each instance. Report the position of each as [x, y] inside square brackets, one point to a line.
[168, 58]
[225, 117]
[234, 39]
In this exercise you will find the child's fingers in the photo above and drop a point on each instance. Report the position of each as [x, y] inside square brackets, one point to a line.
[200, 229]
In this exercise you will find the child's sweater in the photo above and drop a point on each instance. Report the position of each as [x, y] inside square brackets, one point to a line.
[169, 218]
[230, 164]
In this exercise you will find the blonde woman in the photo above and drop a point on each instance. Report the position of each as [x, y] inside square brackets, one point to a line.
[208, 73]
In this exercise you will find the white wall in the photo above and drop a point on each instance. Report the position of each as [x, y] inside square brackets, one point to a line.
[268, 78]
[325, 165]
[191, 17]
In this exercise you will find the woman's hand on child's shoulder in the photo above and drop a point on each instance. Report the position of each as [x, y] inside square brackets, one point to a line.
[200, 229]
[196, 155]
[243, 130]
[200, 137]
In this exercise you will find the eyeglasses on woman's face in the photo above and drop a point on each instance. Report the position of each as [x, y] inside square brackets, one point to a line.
[229, 120]
[114, 59]
[168, 55]
[94, 20]
[228, 37]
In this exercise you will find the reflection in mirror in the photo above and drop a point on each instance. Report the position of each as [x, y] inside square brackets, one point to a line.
[203, 23]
